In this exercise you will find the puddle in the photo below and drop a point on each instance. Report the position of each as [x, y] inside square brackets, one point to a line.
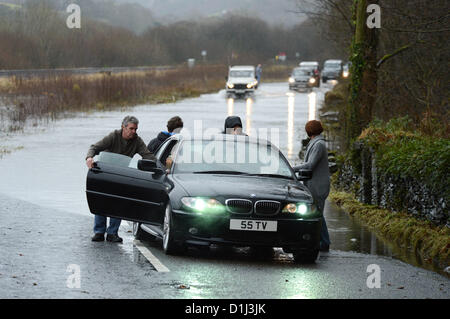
[347, 234]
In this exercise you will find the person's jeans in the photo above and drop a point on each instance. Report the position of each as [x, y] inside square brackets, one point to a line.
[100, 225]
[324, 236]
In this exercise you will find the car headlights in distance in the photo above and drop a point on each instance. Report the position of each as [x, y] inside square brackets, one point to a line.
[250, 85]
[300, 208]
[312, 80]
[203, 205]
[291, 80]
[345, 74]
[230, 85]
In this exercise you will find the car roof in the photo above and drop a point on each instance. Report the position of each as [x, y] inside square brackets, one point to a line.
[222, 137]
[242, 67]
[309, 63]
[333, 61]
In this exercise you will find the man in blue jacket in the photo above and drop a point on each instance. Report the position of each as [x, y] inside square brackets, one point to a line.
[174, 125]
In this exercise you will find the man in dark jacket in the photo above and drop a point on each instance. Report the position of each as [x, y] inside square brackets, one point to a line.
[233, 125]
[174, 125]
[126, 142]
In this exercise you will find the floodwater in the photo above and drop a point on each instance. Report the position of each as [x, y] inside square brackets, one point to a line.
[48, 166]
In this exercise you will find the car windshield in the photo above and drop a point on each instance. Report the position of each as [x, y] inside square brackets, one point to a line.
[241, 74]
[302, 71]
[332, 66]
[231, 157]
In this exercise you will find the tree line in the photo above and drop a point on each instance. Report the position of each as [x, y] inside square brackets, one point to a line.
[36, 36]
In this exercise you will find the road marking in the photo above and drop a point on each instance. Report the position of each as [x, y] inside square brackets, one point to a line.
[150, 257]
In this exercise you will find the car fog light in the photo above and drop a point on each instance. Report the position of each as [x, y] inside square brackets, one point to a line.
[193, 231]
[306, 237]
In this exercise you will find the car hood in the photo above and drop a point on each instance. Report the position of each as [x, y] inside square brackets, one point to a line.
[241, 80]
[302, 78]
[222, 187]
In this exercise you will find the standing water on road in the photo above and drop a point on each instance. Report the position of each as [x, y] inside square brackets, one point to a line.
[48, 167]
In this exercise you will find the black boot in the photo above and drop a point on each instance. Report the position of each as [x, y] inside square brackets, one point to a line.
[98, 237]
[113, 238]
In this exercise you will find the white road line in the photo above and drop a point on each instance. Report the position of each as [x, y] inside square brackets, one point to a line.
[150, 257]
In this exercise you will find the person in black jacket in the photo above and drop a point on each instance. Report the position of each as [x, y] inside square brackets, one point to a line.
[174, 125]
[233, 125]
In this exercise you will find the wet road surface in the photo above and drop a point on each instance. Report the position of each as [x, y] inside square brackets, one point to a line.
[46, 225]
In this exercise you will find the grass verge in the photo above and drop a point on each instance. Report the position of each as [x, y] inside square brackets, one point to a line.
[431, 243]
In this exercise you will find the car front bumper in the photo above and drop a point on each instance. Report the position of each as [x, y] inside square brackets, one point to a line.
[240, 91]
[301, 85]
[203, 229]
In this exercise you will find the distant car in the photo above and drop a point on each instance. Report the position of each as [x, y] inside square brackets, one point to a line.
[249, 195]
[241, 80]
[302, 80]
[314, 68]
[332, 70]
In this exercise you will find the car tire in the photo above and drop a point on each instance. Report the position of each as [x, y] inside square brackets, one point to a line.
[139, 233]
[170, 246]
[306, 257]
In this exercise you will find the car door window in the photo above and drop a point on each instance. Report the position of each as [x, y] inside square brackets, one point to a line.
[161, 149]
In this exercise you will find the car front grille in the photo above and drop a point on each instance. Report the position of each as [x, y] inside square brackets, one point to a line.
[267, 207]
[240, 86]
[239, 206]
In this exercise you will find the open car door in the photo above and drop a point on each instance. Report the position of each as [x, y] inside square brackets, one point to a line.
[116, 188]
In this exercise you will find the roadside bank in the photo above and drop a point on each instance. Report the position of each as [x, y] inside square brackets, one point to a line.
[421, 242]
[394, 179]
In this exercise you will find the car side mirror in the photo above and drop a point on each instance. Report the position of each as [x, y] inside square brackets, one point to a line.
[149, 166]
[304, 174]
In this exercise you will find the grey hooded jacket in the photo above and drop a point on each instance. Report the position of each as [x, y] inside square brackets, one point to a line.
[316, 160]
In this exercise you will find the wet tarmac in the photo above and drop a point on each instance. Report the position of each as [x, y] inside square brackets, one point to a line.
[48, 168]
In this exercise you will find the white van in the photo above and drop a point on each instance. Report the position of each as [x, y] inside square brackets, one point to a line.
[241, 80]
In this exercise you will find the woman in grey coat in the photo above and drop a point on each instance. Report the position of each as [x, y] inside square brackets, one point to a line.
[316, 160]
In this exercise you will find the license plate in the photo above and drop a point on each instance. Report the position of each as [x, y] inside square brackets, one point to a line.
[253, 225]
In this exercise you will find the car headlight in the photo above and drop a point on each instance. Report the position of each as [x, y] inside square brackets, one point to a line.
[300, 208]
[312, 80]
[345, 74]
[250, 85]
[291, 80]
[230, 85]
[202, 204]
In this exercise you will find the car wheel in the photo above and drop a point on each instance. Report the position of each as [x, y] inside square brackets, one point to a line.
[169, 245]
[306, 257]
[139, 233]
